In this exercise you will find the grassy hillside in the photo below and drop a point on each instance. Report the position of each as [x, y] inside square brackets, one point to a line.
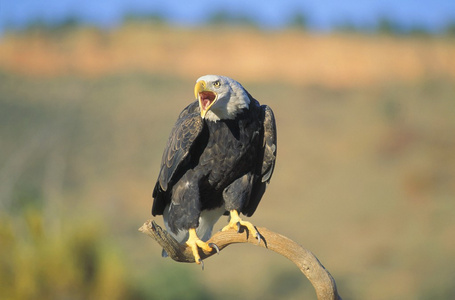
[365, 176]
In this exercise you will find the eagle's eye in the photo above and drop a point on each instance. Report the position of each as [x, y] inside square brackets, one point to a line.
[217, 84]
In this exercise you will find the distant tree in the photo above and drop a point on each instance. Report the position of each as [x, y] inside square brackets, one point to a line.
[245, 20]
[299, 21]
[419, 30]
[68, 23]
[36, 24]
[224, 18]
[219, 18]
[386, 25]
[64, 25]
[151, 18]
[450, 29]
[346, 26]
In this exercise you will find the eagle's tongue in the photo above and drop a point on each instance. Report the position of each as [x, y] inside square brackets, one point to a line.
[205, 103]
[206, 99]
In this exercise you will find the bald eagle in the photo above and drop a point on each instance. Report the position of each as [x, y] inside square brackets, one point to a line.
[218, 160]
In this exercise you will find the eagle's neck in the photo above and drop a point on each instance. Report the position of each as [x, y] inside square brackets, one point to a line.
[229, 111]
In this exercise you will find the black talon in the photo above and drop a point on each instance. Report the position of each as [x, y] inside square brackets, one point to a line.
[259, 237]
[202, 264]
[213, 245]
[238, 227]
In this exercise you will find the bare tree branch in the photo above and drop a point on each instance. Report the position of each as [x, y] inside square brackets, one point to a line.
[307, 262]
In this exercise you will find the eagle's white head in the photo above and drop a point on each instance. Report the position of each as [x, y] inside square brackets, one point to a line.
[220, 97]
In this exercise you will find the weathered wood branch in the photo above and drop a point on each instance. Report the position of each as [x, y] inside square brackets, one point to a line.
[307, 262]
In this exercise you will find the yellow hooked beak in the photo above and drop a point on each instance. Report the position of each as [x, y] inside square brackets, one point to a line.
[205, 96]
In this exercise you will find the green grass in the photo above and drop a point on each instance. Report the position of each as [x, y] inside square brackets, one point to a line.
[365, 179]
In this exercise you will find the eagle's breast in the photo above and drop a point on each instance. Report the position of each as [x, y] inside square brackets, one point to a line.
[230, 151]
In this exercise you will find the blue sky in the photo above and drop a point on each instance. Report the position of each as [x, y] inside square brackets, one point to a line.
[432, 14]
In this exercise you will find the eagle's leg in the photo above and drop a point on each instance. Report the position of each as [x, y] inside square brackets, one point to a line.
[194, 242]
[236, 222]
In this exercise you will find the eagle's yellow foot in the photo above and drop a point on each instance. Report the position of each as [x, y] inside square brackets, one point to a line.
[236, 222]
[194, 242]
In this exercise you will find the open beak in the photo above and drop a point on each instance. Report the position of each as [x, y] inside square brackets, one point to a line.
[205, 96]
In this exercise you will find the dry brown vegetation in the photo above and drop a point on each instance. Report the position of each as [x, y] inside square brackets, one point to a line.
[365, 176]
[333, 60]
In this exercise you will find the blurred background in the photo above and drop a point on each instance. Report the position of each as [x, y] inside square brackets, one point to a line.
[364, 97]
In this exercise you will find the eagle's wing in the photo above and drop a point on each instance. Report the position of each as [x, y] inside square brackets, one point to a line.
[185, 131]
[267, 163]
